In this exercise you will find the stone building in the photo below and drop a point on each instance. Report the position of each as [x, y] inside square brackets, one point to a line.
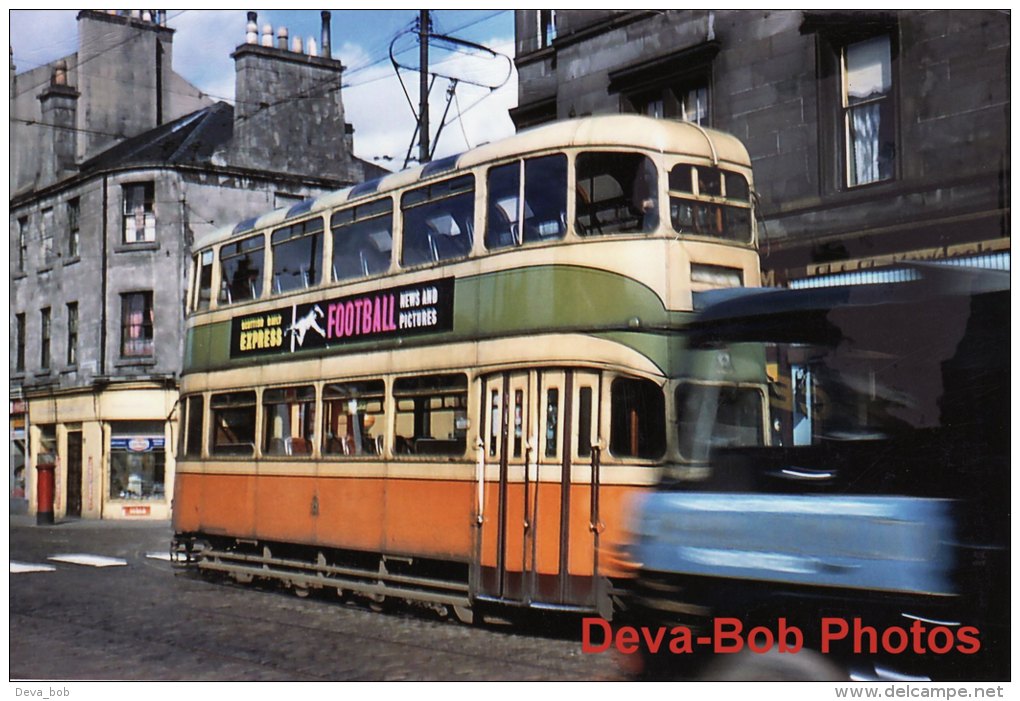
[875, 136]
[117, 163]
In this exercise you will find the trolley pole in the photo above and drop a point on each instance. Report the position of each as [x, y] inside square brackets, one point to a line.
[423, 86]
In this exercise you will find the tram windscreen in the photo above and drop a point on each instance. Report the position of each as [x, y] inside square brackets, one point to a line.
[893, 399]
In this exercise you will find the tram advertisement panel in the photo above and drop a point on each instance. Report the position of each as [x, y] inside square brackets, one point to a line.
[395, 312]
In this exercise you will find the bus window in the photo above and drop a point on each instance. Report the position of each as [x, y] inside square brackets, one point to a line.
[727, 216]
[431, 415]
[193, 409]
[362, 240]
[438, 221]
[638, 428]
[616, 193]
[233, 423]
[545, 202]
[288, 421]
[204, 264]
[297, 252]
[718, 416]
[354, 418]
[241, 266]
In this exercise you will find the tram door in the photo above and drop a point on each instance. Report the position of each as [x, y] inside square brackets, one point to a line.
[536, 544]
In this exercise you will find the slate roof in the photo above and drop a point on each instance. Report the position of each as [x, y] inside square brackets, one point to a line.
[191, 140]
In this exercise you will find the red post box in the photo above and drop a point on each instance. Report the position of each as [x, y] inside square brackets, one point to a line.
[45, 490]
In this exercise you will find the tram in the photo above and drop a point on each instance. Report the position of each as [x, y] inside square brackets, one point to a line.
[441, 384]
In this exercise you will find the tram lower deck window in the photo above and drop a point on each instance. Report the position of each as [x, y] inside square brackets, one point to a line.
[638, 428]
[431, 415]
[233, 423]
[288, 416]
[354, 418]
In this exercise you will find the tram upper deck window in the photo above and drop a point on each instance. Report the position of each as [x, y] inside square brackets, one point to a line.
[204, 266]
[544, 207]
[710, 202]
[288, 416]
[362, 240]
[617, 193]
[233, 423]
[638, 415]
[431, 415]
[297, 256]
[354, 418]
[241, 266]
[438, 221]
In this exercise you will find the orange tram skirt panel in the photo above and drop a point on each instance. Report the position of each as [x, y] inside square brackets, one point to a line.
[415, 517]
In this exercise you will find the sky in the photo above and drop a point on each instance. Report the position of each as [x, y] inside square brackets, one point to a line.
[374, 101]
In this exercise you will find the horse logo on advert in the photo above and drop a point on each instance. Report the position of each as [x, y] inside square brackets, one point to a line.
[300, 327]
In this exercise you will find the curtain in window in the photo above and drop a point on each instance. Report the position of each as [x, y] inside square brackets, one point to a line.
[864, 139]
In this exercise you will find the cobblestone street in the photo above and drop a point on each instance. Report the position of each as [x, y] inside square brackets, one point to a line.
[134, 617]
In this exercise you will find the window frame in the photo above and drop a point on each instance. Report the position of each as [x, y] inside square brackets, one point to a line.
[72, 334]
[73, 227]
[833, 31]
[147, 343]
[147, 212]
[19, 350]
[852, 179]
[45, 336]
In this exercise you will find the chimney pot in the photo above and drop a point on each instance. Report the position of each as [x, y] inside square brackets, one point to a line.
[281, 38]
[311, 48]
[295, 45]
[59, 73]
[327, 43]
[267, 35]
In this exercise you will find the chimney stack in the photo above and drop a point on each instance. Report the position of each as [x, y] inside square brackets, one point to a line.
[59, 104]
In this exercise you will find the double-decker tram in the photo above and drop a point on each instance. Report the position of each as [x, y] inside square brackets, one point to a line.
[441, 384]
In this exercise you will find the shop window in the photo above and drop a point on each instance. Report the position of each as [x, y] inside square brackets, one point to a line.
[297, 256]
[136, 327]
[47, 443]
[137, 460]
[438, 221]
[354, 418]
[616, 193]
[362, 240]
[431, 415]
[232, 415]
[139, 212]
[288, 415]
[241, 266]
[72, 333]
[543, 211]
[638, 428]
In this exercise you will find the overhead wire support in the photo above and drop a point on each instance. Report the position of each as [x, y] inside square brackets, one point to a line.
[422, 31]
